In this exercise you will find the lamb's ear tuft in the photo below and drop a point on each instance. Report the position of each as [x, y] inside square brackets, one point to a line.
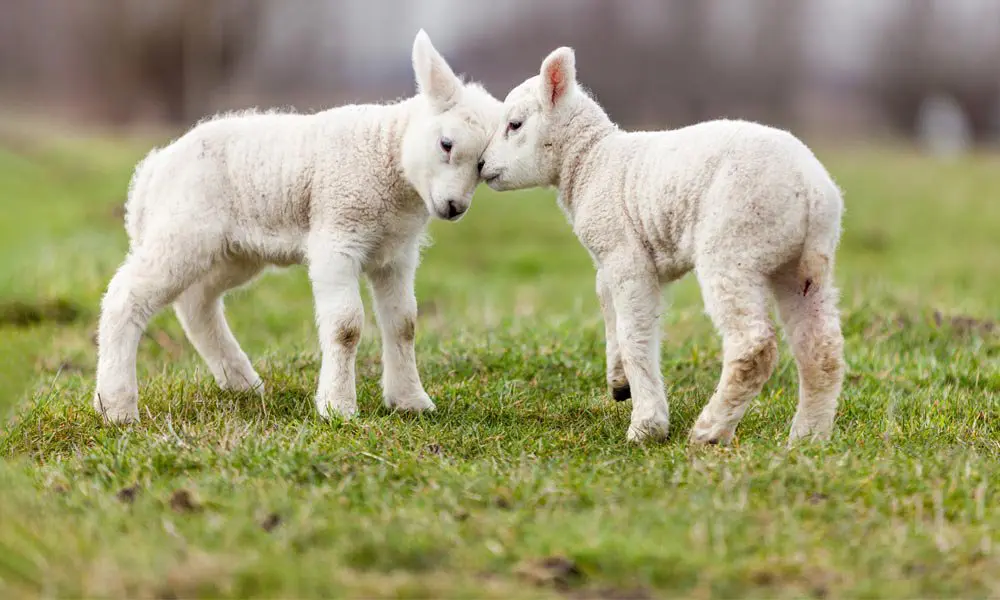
[558, 76]
[435, 79]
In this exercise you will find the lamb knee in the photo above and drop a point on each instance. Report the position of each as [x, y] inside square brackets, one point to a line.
[347, 330]
[348, 334]
[753, 365]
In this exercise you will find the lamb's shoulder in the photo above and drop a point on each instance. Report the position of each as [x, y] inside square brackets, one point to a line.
[595, 206]
[617, 189]
[359, 194]
[357, 149]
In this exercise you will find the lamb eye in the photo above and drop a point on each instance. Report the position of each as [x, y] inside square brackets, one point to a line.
[446, 144]
[513, 125]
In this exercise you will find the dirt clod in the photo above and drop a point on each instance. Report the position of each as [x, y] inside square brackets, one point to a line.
[127, 495]
[557, 571]
[435, 449]
[503, 499]
[270, 522]
[183, 501]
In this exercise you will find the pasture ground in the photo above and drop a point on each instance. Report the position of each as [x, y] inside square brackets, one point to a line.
[521, 484]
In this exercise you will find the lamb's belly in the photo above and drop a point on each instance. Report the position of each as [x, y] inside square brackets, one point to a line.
[669, 248]
[278, 249]
[668, 241]
[670, 267]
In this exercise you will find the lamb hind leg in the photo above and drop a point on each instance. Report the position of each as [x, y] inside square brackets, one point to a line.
[738, 306]
[144, 284]
[200, 311]
[812, 325]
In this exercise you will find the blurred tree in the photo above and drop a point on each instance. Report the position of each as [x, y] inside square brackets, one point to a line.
[171, 54]
[909, 70]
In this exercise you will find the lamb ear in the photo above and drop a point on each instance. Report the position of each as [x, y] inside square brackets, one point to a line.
[435, 79]
[558, 76]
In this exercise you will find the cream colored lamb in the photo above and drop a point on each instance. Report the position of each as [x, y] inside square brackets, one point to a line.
[348, 192]
[749, 208]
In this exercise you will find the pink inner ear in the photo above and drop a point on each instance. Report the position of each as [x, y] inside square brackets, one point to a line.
[557, 80]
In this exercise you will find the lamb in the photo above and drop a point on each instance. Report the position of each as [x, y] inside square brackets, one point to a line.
[747, 207]
[348, 191]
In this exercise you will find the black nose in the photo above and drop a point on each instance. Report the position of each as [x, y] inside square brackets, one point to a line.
[479, 167]
[453, 210]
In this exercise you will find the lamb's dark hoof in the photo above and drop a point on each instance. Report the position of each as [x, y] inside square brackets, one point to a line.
[621, 394]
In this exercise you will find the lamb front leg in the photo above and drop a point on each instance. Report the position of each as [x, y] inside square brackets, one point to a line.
[396, 308]
[636, 298]
[617, 381]
[340, 317]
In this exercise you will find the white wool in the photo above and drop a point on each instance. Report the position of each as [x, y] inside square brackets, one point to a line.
[749, 208]
[348, 192]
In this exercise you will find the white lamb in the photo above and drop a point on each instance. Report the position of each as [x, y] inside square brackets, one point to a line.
[347, 191]
[749, 208]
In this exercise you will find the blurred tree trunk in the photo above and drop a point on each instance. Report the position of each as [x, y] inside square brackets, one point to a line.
[904, 72]
[910, 70]
[689, 71]
[778, 55]
[171, 54]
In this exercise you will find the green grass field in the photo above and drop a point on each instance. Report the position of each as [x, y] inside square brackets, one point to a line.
[521, 484]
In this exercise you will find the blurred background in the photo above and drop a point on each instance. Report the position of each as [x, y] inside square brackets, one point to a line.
[923, 71]
[900, 98]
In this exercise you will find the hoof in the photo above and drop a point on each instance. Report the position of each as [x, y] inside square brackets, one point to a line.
[621, 394]
[121, 412]
[712, 434]
[802, 432]
[244, 384]
[648, 431]
[418, 403]
[333, 411]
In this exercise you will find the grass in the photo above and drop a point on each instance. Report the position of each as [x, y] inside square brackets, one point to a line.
[521, 484]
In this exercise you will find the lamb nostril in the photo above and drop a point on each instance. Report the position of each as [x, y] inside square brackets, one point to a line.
[479, 167]
[452, 210]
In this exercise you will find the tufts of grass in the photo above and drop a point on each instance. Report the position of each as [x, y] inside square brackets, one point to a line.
[520, 484]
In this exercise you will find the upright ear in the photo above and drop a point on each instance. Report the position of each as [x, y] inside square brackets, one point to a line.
[558, 76]
[435, 79]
